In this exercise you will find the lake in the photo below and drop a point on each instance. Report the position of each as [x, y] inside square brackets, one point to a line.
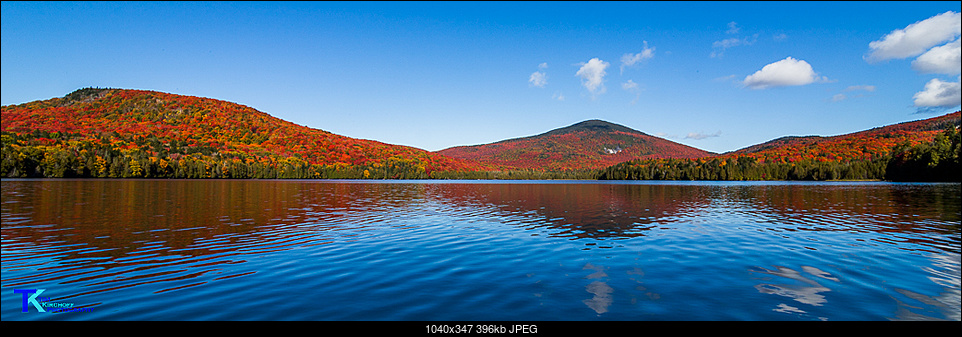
[479, 250]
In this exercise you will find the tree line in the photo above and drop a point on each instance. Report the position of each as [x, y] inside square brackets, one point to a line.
[42, 154]
[62, 155]
[937, 160]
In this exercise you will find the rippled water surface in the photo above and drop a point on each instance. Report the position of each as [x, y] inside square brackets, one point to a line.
[479, 250]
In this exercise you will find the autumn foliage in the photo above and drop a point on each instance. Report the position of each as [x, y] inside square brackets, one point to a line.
[873, 154]
[591, 145]
[116, 133]
[136, 133]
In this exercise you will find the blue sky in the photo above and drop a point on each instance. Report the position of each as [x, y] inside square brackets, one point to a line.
[714, 75]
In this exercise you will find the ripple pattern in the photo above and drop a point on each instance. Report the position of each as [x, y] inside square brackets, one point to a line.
[456, 250]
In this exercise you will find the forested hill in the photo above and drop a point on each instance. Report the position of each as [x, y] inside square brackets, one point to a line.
[117, 133]
[135, 133]
[591, 144]
[923, 150]
[593, 125]
[880, 139]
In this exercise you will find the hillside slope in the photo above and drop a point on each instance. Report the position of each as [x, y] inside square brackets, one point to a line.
[923, 150]
[131, 133]
[861, 145]
[591, 144]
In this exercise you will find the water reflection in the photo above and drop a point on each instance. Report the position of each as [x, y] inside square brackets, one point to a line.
[600, 290]
[584, 210]
[170, 235]
[110, 234]
[804, 290]
[188, 217]
[625, 210]
[946, 304]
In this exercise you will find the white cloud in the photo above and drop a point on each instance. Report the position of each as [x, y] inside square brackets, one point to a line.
[921, 39]
[916, 38]
[592, 75]
[628, 60]
[938, 93]
[632, 87]
[733, 28]
[779, 37]
[944, 59]
[861, 87]
[700, 136]
[724, 78]
[538, 79]
[841, 97]
[558, 96]
[787, 72]
[719, 47]
[727, 43]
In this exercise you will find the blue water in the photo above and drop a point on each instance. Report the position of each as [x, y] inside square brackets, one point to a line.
[480, 250]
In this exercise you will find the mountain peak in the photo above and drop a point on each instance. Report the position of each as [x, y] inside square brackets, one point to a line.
[592, 125]
[590, 144]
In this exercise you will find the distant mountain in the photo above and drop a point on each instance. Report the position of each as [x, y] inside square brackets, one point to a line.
[591, 144]
[138, 133]
[924, 150]
[868, 144]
